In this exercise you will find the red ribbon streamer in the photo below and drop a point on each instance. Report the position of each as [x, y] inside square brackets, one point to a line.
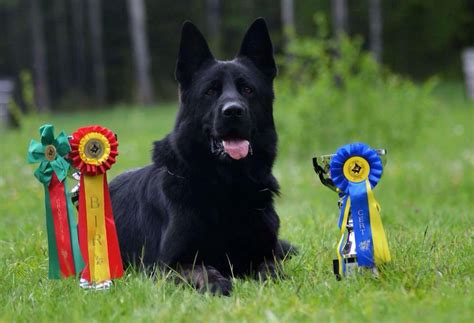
[115, 259]
[61, 226]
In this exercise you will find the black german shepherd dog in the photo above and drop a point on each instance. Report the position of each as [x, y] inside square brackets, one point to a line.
[204, 207]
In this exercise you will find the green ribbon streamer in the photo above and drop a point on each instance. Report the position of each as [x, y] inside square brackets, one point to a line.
[44, 173]
[54, 271]
[77, 256]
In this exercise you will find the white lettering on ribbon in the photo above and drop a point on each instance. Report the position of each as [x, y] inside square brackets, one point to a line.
[360, 214]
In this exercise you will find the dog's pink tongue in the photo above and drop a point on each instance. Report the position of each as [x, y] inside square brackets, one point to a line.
[236, 148]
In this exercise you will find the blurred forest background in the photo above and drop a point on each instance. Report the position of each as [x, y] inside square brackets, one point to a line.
[71, 54]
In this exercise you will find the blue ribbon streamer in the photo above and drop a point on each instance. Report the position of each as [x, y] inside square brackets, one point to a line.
[361, 220]
[343, 208]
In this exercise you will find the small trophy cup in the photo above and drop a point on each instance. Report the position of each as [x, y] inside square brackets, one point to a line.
[352, 160]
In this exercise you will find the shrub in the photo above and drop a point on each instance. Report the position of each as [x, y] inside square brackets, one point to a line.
[332, 92]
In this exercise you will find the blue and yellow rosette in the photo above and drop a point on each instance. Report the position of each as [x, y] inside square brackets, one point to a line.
[355, 171]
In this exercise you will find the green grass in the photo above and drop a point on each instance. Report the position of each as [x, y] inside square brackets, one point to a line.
[426, 195]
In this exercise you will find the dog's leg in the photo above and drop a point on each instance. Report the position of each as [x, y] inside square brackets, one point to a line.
[285, 250]
[205, 279]
[272, 269]
[269, 270]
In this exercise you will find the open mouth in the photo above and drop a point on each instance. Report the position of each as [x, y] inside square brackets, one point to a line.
[235, 148]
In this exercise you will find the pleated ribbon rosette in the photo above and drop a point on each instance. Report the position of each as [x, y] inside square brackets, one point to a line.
[94, 150]
[63, 247]
[355, 170]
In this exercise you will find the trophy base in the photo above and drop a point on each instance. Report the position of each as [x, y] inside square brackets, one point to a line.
[351, 268]
[335, 269]
[103, 285]
[350, 265]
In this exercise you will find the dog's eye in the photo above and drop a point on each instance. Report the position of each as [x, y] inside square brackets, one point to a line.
[211, 91]
[247, 90]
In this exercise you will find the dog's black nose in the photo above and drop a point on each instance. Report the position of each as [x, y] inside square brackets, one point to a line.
[232, 110]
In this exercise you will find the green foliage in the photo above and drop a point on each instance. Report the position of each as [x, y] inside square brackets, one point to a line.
[28, 91]
[337, 93]
[430, 34]
[15, 114]
[8, 3]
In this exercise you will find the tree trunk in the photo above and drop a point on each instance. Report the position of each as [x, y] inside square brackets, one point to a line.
[40, 64]
[339, 17]
[375, 21]
[79, 43]
[288, 24]
[60, 17]
[213, 18]
[6, 91]
[95, 25]
[141, 54]
[13, 32]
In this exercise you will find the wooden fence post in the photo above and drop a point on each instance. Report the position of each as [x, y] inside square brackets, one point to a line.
[468, 67]
[6, 90]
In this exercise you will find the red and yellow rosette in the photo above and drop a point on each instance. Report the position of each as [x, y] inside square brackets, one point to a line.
[94, 150]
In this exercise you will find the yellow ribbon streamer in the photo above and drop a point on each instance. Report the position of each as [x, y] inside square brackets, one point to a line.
[96, 233]
[342, 230]
[381, 250]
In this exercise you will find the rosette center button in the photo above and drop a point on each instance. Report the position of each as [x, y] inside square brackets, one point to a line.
[50, 152]
[94, 149]
[356, 169]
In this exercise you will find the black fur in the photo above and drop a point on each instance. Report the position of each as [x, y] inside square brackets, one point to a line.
[194, 208]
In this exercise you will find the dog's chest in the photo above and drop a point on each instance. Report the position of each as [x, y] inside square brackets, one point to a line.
[240, 229]
[231, 222]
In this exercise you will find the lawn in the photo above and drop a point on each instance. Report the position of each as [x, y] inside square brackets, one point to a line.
[427, 198]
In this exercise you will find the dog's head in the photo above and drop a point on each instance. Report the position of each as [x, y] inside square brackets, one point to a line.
[226, 106]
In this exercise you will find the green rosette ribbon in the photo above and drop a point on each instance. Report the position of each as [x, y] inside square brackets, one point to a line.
[63, 246]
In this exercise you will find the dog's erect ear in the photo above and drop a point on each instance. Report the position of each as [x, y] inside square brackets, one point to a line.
[193, 52]
[258, 47]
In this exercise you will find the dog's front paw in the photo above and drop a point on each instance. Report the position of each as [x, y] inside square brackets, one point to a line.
[269, 271]
[222, 286]
[212, 281]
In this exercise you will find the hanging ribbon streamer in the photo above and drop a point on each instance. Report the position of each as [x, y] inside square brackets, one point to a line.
[94, 150]
[355, 170]
[63, 247]
[345, 208]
